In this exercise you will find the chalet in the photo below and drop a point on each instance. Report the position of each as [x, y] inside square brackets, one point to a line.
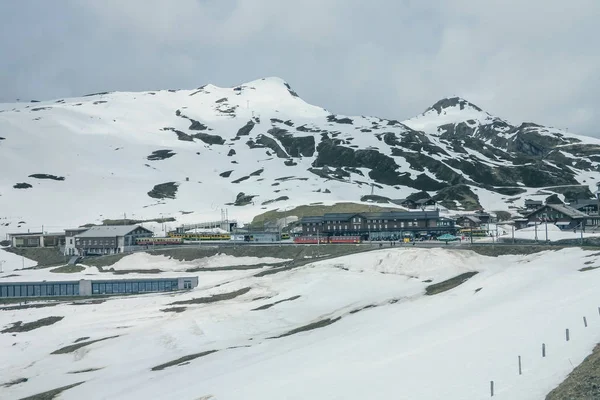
[110, 239]
[590, 208]
[377, 224]
[468, 221]
[533, 204]
[563, 216]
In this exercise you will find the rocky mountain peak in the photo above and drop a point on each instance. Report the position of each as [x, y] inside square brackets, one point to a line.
[452, 102]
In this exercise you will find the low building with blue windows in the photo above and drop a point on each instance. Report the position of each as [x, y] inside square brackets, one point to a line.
[86, 287]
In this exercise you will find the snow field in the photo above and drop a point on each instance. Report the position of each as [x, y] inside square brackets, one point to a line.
[409, 346]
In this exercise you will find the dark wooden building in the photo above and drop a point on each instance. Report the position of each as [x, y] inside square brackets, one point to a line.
[378, 225]
[563, 216]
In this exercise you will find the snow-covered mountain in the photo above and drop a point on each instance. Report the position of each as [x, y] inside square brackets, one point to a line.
[259, 146]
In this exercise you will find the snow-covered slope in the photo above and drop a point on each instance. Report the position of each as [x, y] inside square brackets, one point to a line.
[379, 337]
[81, 160]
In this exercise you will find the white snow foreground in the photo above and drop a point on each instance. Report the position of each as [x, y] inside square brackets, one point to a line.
[406, 346]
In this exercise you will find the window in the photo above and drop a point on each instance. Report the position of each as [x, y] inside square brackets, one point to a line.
[3, 291]
[11, 291]
[37, 290]
[167, 285]
[76, 289]
[30, 290]
[161, 286]
[63, 290]
[148, 286]
[127, 287]
[134, 287]
[385, 226]
[155, 286]
[69, 290]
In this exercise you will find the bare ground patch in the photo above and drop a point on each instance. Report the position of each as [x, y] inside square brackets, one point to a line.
[15, 382]
[182, 360]
[449, 283]
[266, 306]
[73, 347]
[83, 371]
[583, 382]
[214, 298]
[309, 327]
[19, 326]
[174, 309]
[51, 394]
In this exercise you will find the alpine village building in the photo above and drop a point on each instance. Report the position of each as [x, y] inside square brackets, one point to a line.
[391, 225]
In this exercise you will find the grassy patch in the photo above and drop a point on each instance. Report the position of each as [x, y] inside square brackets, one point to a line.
[43, 255]
[266, 306]
[449, 283]
[182, 360]
[68, 269]
[73, 347]
[314, 325]
[51, 394]
[214, 298]
[582, 382]
[29, 326]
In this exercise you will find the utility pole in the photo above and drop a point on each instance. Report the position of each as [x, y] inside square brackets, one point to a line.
[513, 233]
[546, 220]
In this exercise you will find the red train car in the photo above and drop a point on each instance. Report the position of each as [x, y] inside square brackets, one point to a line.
[332, 239]
[310, 240]
[344, 239]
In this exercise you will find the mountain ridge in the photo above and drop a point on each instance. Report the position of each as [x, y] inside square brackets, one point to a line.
[206, 146]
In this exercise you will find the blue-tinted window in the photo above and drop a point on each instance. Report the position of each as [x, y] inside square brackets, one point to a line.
[122, 287]
[30, 290]
[127, 287]
[115, 287]
[155, 286]
[167, 285]
[37, 290]
[56, 290]
[11, 291]
[50, 290]
[148, 286]
[135, 287]
[63, 290]
[17, 291]
[76, 289]
[70, 290]
[161, 286]
[109, 288]
[44, 292]
[95, 288]
[102, 288]
[3, 291]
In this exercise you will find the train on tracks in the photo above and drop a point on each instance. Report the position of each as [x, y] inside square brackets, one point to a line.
[327, 240]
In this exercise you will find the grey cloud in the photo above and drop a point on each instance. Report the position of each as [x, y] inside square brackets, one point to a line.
[523, 61]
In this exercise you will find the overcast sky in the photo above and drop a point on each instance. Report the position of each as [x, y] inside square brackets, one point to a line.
[523, 60]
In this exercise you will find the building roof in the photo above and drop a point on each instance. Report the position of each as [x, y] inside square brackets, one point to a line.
[424, 201]
[404, 215]
[110, 230]
[579, 204]
[534, 202]
[472, 218]
[310, 219]
[567, 210]
[32, 234]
